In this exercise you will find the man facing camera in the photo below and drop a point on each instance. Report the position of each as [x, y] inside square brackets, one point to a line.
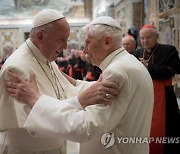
[162, 62]
[129, 43]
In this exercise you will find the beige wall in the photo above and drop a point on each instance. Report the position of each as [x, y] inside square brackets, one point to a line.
[9, 40]
[167, 21]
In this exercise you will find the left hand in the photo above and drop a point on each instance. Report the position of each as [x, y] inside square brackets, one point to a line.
[24, 90]
[101, 92]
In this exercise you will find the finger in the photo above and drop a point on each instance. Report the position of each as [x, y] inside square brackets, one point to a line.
[107, 101]
[141, 60]
[10, 84]
[13, 76]
[14, 95]
[110, 96]
[11, 90]
[100, 78]
[111, 91]
[110, 84]
[102, 91]
[33, 79]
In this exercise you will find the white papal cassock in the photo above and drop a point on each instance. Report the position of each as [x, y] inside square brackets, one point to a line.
[129, 115]
[14, 139]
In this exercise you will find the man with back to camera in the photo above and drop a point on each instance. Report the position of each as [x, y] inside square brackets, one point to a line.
[48, 37]
[130, 113]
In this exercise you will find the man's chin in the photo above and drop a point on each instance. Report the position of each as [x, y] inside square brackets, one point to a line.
[147, 48]
[52, 59]
[91, 61]
[94, 64]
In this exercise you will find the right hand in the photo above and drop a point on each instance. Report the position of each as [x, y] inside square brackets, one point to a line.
[24, 90]
[96, 94]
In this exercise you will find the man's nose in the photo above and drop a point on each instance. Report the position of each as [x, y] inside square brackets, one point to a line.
[65, 45]
[85, 50]
[145, 39]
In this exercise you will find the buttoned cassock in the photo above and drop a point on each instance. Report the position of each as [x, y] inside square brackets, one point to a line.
[129, 115]
[13, 113]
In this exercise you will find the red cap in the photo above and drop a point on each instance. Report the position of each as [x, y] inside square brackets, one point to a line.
[148, 26]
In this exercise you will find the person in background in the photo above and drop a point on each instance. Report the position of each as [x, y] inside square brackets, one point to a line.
[162, 62]
[63, 64]
[129, 43]
[91, 73]
[133, 31]
[77, 64]
[128, 116]
[48, 37]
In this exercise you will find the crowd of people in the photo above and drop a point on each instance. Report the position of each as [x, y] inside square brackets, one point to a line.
[78, 66]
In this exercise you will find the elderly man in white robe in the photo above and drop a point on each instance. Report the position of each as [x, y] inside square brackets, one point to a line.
[48, 37]
[97, 126]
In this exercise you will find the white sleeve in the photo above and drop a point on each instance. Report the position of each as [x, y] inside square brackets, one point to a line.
[55, 118]
[83, 85]
[49, 114]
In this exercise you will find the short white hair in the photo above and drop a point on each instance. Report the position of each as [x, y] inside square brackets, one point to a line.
[101, 30]
[104, 25]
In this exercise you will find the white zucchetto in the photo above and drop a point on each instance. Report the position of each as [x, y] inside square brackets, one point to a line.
[46, 16]
[104, 20]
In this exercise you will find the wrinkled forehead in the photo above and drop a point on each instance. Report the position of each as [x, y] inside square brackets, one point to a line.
[148, 31]
[89, 35]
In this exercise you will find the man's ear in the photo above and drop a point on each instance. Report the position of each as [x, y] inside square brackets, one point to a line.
[39, 35]
[157, 35]
[108, 40]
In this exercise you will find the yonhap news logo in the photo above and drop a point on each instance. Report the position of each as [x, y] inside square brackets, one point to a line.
[109, 139]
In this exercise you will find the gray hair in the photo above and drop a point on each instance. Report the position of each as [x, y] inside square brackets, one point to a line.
[43, 28]
[101, 30]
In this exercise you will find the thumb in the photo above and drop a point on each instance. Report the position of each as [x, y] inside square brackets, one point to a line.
[32, 79]
[100, 78]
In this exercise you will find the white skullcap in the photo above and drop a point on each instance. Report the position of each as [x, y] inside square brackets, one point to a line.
[104, 20]
[46, 16]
